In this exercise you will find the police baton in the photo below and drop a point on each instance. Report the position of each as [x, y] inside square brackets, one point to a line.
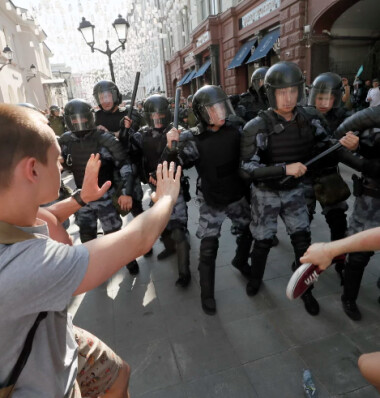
[133, 99]
[176, 115]
[316, 158]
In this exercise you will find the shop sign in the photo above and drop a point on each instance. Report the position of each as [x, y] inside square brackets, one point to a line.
[188, 58]
[203, 38]
[258, 12]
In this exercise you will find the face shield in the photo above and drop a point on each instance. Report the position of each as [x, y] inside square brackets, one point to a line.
[157, 120]
[324, 100]
[79, 122]
[216, 114]
[257, 84]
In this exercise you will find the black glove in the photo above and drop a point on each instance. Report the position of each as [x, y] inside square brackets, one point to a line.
[371, 168]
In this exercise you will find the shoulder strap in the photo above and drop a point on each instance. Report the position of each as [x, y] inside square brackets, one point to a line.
[10, 234]
[274, 126]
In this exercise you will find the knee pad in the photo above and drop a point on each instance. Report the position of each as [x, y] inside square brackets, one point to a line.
[264, 244]
[359, 260]
[301, 239]
[179, 235]
[87, 236]
[209, 247]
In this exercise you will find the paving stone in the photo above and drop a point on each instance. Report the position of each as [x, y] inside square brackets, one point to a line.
[232, 383]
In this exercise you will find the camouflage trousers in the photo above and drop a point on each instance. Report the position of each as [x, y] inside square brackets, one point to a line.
[365, 214]
[211, 218]
[267, 204]
[179, 216]
[87, 217]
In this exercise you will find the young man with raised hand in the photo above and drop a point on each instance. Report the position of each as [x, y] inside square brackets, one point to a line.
[38, 274]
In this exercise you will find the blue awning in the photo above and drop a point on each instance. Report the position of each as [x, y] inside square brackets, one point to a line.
[188, 79]
[264, 46]
[202, 69]
[242, 54]
[183, 79]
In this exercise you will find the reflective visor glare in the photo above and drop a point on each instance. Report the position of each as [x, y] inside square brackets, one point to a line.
[158, 119]
[219, 111]
[105, 97]
[79, 122]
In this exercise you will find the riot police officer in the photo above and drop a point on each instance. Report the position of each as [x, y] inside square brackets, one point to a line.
[325, 95]
[213, 147]
[148, 144]
[56, 121]
[110, 117]
[366, 210]
[275, 144]
[77, 145]
[255, 99]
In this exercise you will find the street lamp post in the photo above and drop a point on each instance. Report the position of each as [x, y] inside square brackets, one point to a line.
[121, 26]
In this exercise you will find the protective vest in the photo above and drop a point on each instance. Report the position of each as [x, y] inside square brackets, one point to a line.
[153, 144]
[78, 153]
[111, 121]
[218, 166]
[288, 142]
[334, 118]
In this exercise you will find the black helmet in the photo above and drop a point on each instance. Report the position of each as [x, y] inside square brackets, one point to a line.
[156, 111]
[54, 108]
[107, 86]
[79, 116]
[257, 78]
[204, 102]
[281, 75]
[326, 83]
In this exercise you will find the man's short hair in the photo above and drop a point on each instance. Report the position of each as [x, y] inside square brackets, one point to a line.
[23, 133]
[375, 80]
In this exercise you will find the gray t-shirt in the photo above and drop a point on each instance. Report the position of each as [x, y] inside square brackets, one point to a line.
[39, 275]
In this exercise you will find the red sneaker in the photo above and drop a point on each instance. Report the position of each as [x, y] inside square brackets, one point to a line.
[302, 278]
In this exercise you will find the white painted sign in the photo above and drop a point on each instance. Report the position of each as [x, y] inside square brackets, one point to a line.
[260, 11]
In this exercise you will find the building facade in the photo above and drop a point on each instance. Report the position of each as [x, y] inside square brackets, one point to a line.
[234, 39]
[28, 77]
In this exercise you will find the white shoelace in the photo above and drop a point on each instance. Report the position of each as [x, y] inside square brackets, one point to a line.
[312, 278]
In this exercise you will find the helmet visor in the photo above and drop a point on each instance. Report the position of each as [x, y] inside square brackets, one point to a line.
[217, 113]
[158, 120]
[80, 122]
[325, 99]
[257, 84]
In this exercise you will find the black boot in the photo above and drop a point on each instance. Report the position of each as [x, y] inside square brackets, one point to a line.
[149, 253]
[207, 257]
[133, 267]
[169, 244]
[337, 222]
[311, 304]
[300, 241]
[259, 257]
[353, 273]
[243, 247]
[183, 257]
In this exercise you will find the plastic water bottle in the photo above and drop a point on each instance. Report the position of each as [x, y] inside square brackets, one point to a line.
[308, 385]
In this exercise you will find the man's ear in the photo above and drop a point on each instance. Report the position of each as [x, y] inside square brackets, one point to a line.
[31, 169]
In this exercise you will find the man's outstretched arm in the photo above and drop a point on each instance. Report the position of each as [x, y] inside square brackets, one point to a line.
[111, 252]
[322, 254]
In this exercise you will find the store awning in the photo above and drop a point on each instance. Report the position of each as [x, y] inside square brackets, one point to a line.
[183, 79]
[191, 75]
[242, 54]
[202, 69]
[264, 46]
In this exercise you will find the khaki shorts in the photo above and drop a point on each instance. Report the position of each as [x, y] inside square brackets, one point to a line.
[98, 366]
